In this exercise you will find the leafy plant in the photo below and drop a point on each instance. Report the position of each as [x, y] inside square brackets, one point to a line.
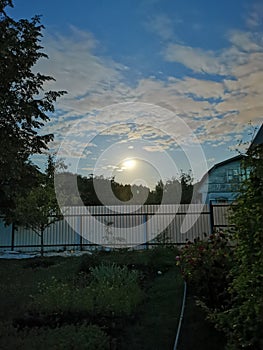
[69, 337]
[38, 263]
[243, 320]
[87, 261]
[61, 297]
[116, 289]
[205, 265]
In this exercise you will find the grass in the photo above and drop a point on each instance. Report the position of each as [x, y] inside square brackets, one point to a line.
[196, 332]
[159, 315]
[152, 326]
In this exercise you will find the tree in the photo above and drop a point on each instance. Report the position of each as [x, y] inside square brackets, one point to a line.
[38, 209]
[243, 321]
[24, 105]
[186, 180]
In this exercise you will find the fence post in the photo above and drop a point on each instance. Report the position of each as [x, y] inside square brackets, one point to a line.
[80, 236]
[211, 214]
[12, 236]
[146, 231]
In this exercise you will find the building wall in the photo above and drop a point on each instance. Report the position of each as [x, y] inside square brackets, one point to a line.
[223, 183]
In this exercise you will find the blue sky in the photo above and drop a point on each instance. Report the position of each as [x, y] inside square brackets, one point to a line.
[173, 84]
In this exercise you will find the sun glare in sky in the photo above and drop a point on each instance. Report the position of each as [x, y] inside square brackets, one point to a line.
[129, 164]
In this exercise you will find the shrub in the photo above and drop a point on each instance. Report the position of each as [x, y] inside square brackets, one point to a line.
[205, 265]
[35, 263]
[243, 320]
[161, 258]
[87, 261]
[110, 290]
[116, 290]
[70, 337]
[59, 297]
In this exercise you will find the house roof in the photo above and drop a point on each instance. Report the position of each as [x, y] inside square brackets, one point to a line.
[218, 165]
[258, 139]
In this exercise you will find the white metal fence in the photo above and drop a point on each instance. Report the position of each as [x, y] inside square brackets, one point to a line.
[125, 226]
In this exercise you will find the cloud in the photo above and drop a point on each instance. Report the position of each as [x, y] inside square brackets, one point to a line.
[212, 108]
[196, 59]
[76, 67]
[255, 17]
[161, 25]
[246, 41]
[156, 148]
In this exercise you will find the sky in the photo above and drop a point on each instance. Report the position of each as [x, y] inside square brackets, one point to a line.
[154, 86]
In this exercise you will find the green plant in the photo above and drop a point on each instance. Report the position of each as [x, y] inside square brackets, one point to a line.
[60, 297]
[115, 289]
[205, 265]
[161, 258]
[38, 263]
[243, 319]
[87, 261]
[70, 337]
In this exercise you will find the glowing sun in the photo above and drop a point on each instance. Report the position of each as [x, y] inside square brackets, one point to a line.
[129, 164]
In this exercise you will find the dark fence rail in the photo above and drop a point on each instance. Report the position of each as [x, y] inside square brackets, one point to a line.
[116, 227]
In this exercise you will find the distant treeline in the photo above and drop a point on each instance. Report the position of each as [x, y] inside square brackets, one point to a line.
[98, 190]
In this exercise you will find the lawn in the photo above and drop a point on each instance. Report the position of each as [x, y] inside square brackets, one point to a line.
[117, 300]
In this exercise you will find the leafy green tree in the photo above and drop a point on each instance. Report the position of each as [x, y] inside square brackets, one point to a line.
[38, 209]
[24, 105]
[243, 321]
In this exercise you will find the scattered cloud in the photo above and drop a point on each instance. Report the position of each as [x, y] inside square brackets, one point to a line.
[196, 59]
[255, 18]
[211, 106]
[161, 25]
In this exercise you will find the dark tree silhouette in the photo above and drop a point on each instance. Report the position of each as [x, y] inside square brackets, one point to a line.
[24, 105]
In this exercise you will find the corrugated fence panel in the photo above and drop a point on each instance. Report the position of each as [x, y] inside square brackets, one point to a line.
[5, 235]
[221, 213]
[119, 226]
[26, 237]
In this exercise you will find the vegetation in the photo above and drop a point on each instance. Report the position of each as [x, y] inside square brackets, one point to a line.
[228, 281]
[172, 192]
[205, 265]
[38, 209]
[69, 337]
[243, 319]
[24, 105]
[81, 302]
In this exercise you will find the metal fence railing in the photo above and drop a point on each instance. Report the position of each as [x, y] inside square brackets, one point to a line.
[123, 226]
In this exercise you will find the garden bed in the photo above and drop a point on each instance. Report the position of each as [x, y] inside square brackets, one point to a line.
[116, 300]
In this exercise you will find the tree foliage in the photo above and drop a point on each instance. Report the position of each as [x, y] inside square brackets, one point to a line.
[176, 190]
[243, 321]
[39, 209]
[233, 276]
[24, 105]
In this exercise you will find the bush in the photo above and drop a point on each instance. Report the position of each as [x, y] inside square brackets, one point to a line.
[70, 337]
[109, 290]
[161, 258]
[205, 265]
[243, 320]
[87, 261]
[61, 297]
[115, 289]
[35, 263]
